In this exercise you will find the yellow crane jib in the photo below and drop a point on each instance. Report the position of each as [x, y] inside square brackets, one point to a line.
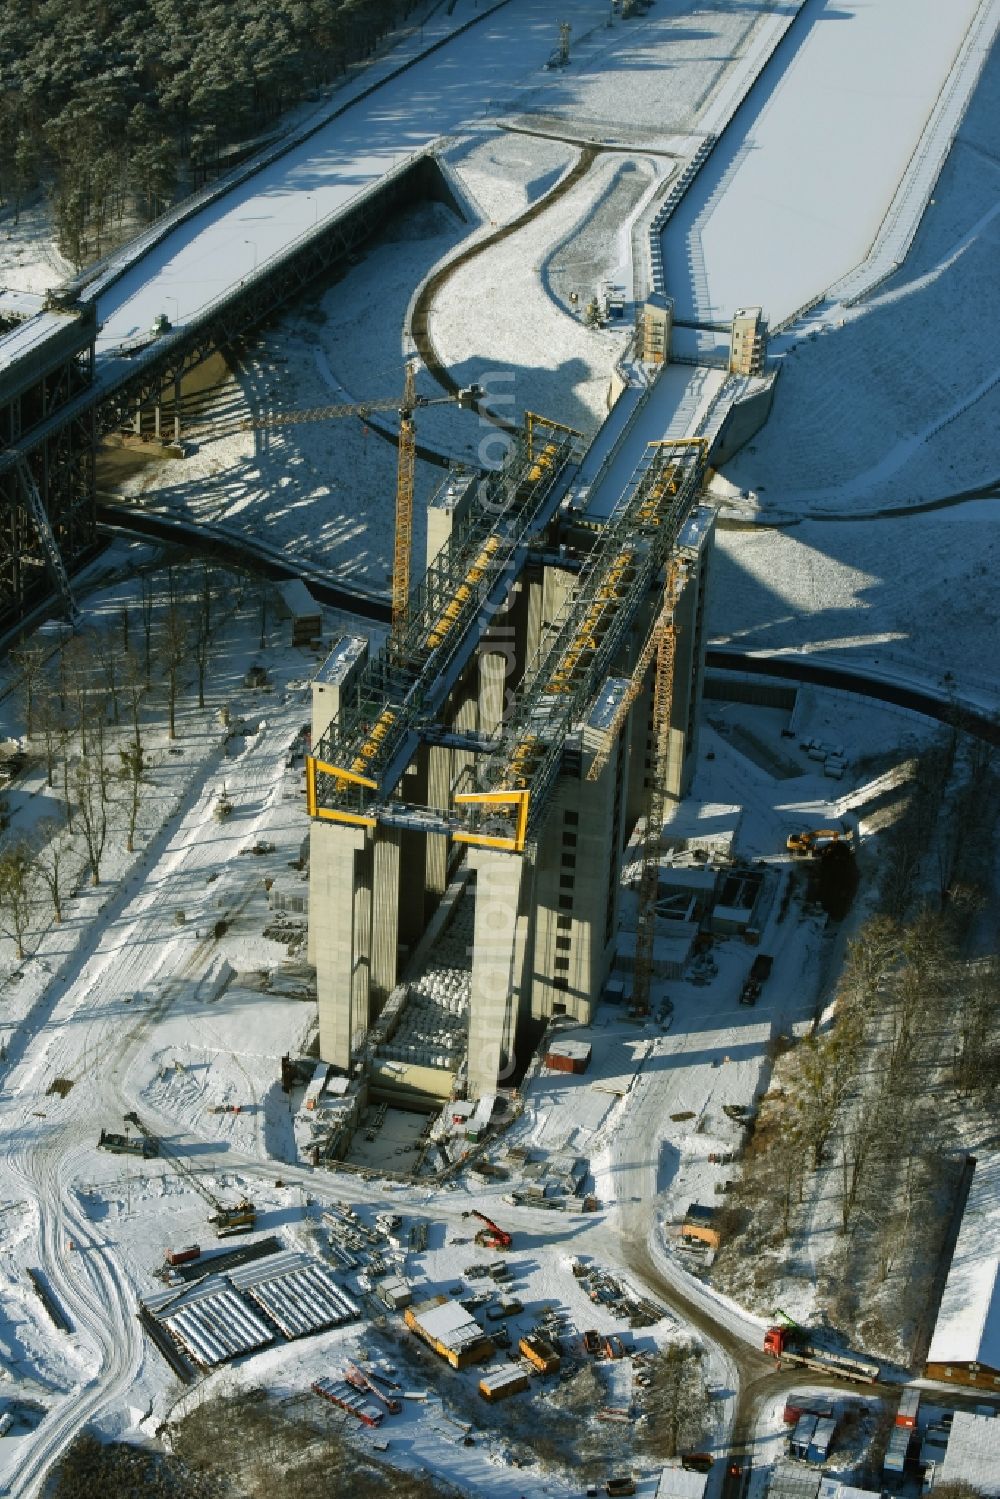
[517, 800]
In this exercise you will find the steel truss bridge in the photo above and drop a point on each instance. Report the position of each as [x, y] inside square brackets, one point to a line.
[51, 429]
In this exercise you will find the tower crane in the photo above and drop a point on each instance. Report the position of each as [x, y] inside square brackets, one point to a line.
[665, 637]
[468, 398]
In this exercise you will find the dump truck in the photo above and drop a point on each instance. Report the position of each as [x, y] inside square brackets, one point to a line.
[797, 1345]
[760, 971]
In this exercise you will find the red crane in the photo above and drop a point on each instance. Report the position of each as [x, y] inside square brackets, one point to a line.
[491, 1236]
[362, 1381]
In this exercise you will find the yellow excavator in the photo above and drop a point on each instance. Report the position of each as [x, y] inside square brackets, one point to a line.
[811, 842]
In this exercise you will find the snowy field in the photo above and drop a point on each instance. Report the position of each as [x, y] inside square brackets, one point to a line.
[801, 152]
[896, 406]
[673, 59]
[859, 426]
[912, 593]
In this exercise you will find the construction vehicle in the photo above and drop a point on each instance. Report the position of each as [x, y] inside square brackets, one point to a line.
[797, 1345]
[468, 398]
[812, 843]
[540, 1354]
[226, 1218]
[759, 971]
[491, 1235]
[145, 1145]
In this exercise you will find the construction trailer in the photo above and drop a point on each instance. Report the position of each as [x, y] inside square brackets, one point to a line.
[568, 1056]
[897, 1451]
[909, 1406]
[506, 1379]
[504, 734]
[450, 1330]
[303, 611]
[699, 1224]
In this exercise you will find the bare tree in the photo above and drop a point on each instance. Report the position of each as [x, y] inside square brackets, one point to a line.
[147, 597]
[88, 782]
[30, 662]
[202, 640]
[49, 718]
[53, 854]
[174, 646]
[16, 894]
[134, 690]
[110, 657]
[133, 765]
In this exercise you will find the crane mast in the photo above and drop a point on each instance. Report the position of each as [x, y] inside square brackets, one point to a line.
[403, 544]
[663, 693]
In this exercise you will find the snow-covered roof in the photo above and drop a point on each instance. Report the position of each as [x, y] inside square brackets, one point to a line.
[832, 1488]
[578, 1051]
[967, 1330]
[973, 1452]
[449, 1323]
[340, 660]
[297, 598]
[681, 1483]
[502, 1376]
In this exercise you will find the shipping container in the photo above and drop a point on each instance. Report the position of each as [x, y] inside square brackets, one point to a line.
[497, 1384]
[183, 1256]
[909, 1404]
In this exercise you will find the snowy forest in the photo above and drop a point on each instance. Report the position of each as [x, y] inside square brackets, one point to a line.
[117, 108]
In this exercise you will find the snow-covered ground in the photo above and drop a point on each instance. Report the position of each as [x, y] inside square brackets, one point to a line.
[802, 170]
[138, 1010]
[673, 58]
[916, 593]
[233, 237]
[857, 428]
[558, 364]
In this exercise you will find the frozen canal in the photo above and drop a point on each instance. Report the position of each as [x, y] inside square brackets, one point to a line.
[793, 196]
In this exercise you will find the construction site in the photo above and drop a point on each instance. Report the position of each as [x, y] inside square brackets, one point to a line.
[506, 709]
[476, 783]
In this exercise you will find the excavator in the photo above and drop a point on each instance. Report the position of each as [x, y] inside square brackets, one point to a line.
[812, 842]
[227, 1218]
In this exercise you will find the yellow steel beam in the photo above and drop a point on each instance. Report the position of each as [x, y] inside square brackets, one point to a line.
[313, 765]
[354, 819]
[516, 799]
